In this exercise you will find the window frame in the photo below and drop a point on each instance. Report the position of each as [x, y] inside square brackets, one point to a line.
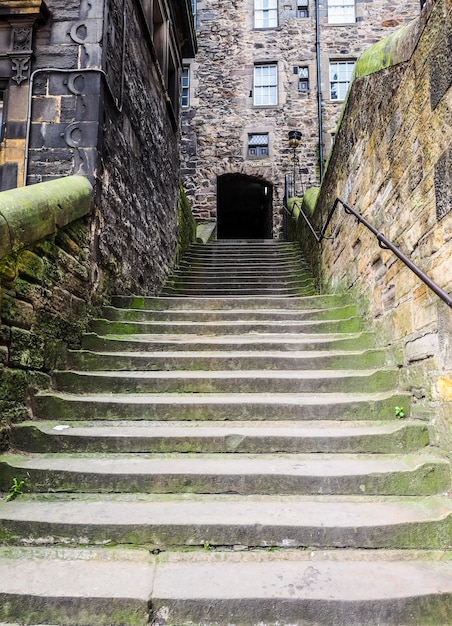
[262, 148]
[303, 79]
[268, 14]
[259, 86]
[302, 10]
[341, 12]
[339, 81]
[185, 88]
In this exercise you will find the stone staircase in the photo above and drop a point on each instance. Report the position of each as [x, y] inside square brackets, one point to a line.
[227, 455]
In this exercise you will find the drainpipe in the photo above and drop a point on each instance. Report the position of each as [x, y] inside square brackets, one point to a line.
[319, 85]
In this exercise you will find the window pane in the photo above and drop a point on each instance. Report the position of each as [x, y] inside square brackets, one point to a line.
[265, 13]
[341, 73]
[341, 11]
[265, 85]
[185, 84]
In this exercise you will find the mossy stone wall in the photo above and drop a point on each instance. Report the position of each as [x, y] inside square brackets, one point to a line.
[44, 288]
[392, 161]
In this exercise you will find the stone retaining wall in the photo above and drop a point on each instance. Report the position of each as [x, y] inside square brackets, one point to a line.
[44, 288]
[392, 161]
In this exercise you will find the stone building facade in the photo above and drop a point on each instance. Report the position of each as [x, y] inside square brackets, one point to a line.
[264, 68]
[93, 88]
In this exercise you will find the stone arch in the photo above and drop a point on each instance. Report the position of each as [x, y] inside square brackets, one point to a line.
[244, 206]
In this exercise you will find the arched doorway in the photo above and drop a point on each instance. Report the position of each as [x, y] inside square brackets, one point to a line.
[244, 207]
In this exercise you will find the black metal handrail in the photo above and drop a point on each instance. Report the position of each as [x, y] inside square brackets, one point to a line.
[383, 242]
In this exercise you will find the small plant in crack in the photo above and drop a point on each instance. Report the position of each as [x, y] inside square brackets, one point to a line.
[15, 489]
[399, 412]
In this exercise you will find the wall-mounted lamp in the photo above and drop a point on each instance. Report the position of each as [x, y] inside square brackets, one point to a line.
[294, 139]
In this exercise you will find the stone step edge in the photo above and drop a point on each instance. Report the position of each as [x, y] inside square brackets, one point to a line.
[221, 523]
[200, 437]
[201, 588]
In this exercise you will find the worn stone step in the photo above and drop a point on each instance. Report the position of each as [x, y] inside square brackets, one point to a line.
[216, 437]
[102, 326]
[258, 302]
[234, 315]
[249, 342]
[415, 474]
[75, 587]
[237, 291]
[239, 381]
[362, 588]
[61, 406]
[187, 281]
[225, 360]
[243, 257]
[228, 270]
[220, 247]
[108, 587]
[228, 521]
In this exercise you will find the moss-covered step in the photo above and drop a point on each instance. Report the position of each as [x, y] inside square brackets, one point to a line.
[106, 327]
[232, 270]
[228, 437]
[164, 523]
[239, 381]
[225, 360]
[247, 342]
[71, 588]
[266, 474]
[237, 290]
[269, 315]
[203, 407]
[159, 303]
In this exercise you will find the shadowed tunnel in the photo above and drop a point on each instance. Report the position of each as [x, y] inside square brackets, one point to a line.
[244, 207]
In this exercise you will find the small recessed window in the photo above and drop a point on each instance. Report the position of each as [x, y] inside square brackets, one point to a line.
[185, 88]
[258, 145]
[303, 79]
[303, 8]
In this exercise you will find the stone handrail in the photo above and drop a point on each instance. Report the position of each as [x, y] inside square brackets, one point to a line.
[28, 214]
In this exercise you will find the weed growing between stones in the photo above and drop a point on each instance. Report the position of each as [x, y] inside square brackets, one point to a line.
[15, 489]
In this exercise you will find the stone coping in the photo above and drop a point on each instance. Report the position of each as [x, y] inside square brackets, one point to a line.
[29, 214]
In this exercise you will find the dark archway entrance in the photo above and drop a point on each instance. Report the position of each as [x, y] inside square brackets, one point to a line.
[244, 207]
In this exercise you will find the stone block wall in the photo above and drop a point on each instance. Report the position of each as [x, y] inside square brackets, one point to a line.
[44, 290]
[135, 225]
[391, 161]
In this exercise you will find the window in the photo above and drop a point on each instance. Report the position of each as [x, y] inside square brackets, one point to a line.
[341, 73]
[258, 145]
[193, 7]
[265, 85]
[185, 88]
[303, 78]
[2, 98]
[303, 8]
[341, 11]
[265, 13]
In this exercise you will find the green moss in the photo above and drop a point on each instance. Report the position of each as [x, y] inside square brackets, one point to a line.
[393, 49]
[186, 225]
[30, 265]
